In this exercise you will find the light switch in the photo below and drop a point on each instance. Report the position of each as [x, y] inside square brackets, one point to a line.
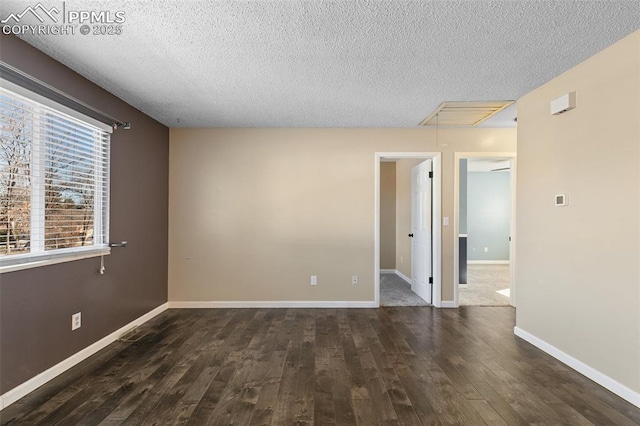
[445, 221]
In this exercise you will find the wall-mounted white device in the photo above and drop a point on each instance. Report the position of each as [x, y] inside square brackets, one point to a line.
[564, 103]
[561, 200]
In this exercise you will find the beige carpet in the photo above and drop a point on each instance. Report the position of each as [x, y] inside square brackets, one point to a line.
[484, 283]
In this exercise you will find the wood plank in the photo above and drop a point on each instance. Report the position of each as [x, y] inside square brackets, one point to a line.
[390, 366]
[324, 410]
[384, 409]
[270, 386]
[56, 392]
[108, 381]
[305, 384]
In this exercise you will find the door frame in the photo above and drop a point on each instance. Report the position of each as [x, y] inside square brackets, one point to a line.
[436, 214]
[512, 156]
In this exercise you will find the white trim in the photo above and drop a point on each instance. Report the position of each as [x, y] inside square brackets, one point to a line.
[79, 253]
[21, 91]
[270, 304]
[400, 155]
[42, 113]
[456, 219]
[436, 250]
[448, 304]
[397, 273]
[600, 378]
[512, 231]
[32, 384]
[436, 247]
[488, 262]
[376, 230]
[403, 276]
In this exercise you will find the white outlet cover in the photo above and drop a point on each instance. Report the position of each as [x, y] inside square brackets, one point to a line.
[76, 321]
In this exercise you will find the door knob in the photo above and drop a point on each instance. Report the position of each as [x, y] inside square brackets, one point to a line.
[411, 235]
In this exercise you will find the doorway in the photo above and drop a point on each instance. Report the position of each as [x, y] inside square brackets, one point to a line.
[428, 223]
[484, 229]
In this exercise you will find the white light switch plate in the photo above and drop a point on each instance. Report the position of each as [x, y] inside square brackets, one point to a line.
[76, 321]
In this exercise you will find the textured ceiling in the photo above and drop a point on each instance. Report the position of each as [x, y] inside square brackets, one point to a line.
[331, 63]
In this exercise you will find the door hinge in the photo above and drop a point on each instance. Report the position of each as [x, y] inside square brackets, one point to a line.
[430, 175]
[430, 280]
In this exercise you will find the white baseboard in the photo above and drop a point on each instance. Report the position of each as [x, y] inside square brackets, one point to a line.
[32, 384]
[488, 262]
[403, 276]
[396, 272]
[600, 378]
[271, 304]
[443, 304]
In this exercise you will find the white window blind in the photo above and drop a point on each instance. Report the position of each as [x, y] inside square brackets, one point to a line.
[54, 182]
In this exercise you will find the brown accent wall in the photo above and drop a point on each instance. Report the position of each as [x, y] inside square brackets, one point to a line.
[36, 304]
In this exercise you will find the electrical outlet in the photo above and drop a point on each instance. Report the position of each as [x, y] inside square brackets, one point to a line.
[76, 321]
[354, 280]
[486, 249]
[314, 280]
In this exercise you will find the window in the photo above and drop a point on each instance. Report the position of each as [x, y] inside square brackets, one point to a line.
[54, 174]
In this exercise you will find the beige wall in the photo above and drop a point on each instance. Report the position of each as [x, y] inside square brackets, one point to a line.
[403, 215]
[387, 215]
[578, 282]
[255, 212]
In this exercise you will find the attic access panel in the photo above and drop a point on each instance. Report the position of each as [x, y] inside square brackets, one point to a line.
[464, 113]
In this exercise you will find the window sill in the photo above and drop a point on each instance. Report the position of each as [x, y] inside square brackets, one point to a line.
[52, 259]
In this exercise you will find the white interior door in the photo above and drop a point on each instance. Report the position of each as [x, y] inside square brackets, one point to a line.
[421, 231]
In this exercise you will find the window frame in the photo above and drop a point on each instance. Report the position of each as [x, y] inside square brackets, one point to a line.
[101, 213]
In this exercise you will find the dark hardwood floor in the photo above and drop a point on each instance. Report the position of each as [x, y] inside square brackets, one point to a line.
[406, 366]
